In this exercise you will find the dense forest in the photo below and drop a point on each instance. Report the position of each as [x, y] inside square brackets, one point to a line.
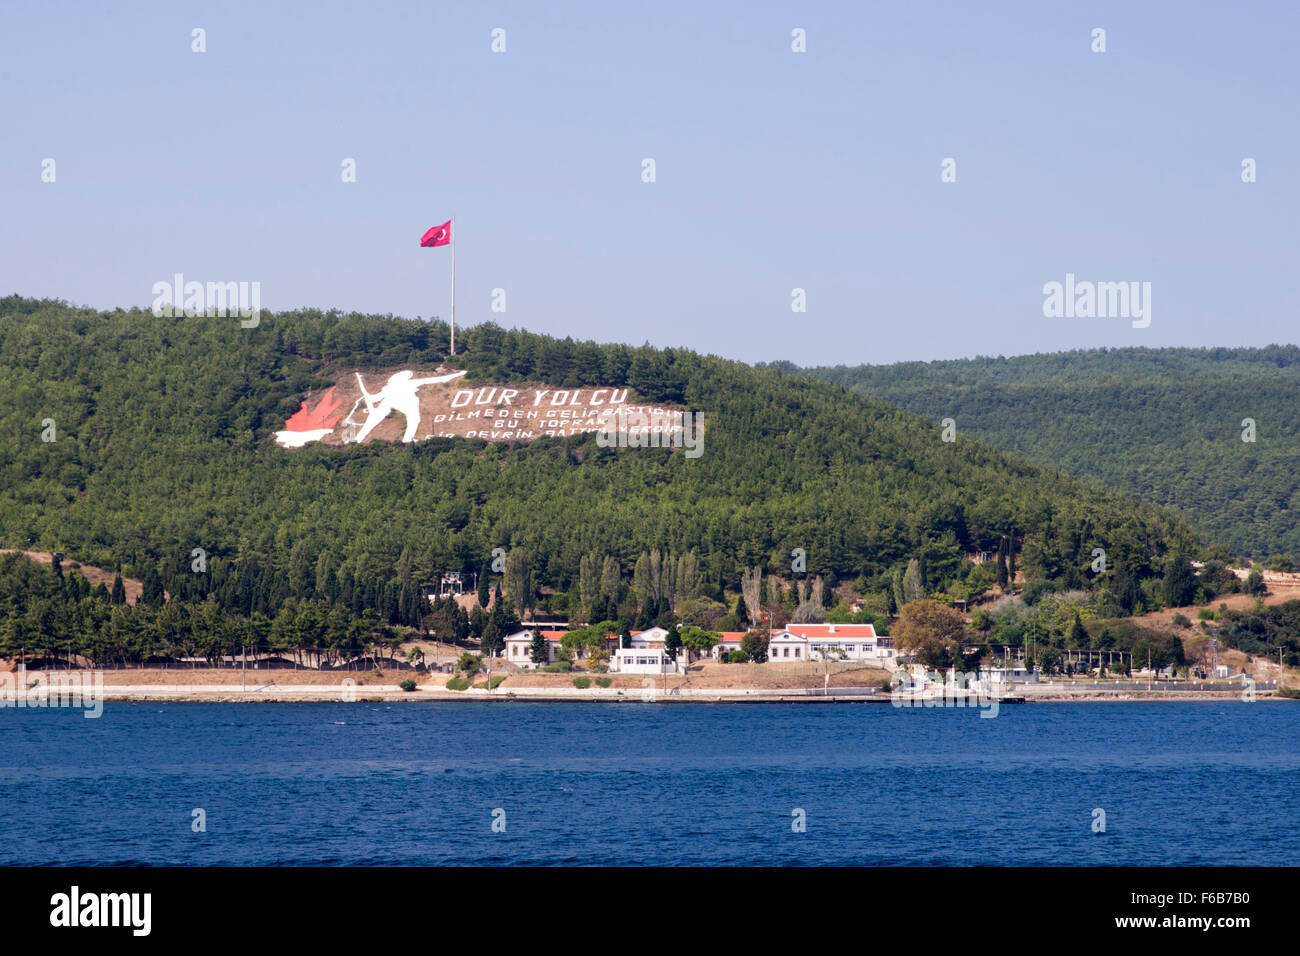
[1164, 425]
[142, 444]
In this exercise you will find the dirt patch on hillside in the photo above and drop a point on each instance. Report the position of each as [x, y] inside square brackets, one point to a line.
[134, 587]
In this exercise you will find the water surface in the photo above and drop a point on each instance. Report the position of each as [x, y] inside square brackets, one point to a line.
[583, 783]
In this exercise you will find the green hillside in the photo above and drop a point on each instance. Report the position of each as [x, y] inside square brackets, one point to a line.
[1164, 425]
[163, 445]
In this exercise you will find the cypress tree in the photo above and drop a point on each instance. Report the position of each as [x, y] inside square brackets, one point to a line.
[742, 616]
[152, 593]
[1078, 634]
[492, 643]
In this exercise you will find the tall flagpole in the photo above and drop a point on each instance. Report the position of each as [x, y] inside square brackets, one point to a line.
[453, 285]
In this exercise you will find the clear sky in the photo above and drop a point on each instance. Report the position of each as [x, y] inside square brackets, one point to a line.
[774, 169]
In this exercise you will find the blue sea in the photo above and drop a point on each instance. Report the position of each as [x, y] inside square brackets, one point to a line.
[1199, 783]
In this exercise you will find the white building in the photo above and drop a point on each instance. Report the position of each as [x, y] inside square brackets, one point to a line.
[1012, 672]
[654, 637]
[519, 647]
[836, 642]
[642, 660]
[786, 647]
[729, 642]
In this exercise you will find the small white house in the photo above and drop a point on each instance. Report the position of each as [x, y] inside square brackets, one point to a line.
[642, 660]
[519, 647]
[785, 647]
[730, 641]
[1013, 672]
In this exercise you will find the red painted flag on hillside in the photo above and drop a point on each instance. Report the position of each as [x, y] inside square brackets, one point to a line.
[437, 236]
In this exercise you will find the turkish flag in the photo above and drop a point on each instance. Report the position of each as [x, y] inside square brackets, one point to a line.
[437, 236]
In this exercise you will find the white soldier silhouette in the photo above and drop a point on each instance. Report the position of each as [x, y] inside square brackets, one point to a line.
[400, 394]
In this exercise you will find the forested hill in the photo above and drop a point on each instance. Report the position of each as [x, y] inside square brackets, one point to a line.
[162, 444]
[1164, 425]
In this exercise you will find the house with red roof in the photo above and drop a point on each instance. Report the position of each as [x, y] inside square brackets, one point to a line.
[840, 642]
[519, 647]
[730, 642]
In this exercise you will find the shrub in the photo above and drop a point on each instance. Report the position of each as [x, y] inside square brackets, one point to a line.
[559, 667]
[582, 683]
[407, 685]
[1035, 590]
[737, 657]
[493, 684]
[1205, 614]
[457, 683]
[1182, 620]
[603, 681]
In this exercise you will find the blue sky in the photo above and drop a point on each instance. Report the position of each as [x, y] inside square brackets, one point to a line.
[774, 170]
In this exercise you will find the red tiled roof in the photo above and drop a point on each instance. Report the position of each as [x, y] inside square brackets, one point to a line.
[552, 636]
[825, 630]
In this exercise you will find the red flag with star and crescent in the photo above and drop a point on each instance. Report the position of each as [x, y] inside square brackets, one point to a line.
[437, 236]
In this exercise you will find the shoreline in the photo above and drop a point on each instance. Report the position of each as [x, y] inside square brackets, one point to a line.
[44, 689]
[387, 693]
